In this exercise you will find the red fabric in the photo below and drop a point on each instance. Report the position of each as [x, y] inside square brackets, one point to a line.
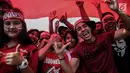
[51, 63]
[97, 56]
[25, 51]
[42, 8]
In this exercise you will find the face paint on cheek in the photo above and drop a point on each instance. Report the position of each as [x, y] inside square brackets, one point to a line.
[19, 28]
[6, 29]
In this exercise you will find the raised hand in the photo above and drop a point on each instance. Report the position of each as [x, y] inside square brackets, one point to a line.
[63, 18]
[52, 15]
[79, 3]
[113, 5]
[60, 50]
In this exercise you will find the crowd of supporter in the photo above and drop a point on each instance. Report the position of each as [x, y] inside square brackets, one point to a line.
[84, 47]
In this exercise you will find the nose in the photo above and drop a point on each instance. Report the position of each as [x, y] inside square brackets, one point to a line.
[34, 36]
[82, 29]
[12, 26]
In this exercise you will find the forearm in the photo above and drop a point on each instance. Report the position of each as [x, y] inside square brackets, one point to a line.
[84, 14]
[51, 27]
[69, 25]
[41, 45]
[126, 20]
[65, 66]
[43, 51]
[27, 70]
[56, 29]
[100, 13]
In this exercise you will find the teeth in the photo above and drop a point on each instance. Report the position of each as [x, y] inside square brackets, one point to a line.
[85, 32]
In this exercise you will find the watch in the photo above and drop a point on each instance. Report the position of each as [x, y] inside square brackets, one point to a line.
[24, 64]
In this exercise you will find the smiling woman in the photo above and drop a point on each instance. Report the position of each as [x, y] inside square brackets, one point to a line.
[16, 49]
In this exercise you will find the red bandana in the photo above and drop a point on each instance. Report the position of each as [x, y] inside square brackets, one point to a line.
[10, 14]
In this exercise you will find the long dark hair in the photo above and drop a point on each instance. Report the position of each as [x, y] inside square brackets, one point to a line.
[31, 30]
[23, 37]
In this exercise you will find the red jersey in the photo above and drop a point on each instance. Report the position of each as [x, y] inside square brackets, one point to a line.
[30, 52]
[97, 56]
[51, 63]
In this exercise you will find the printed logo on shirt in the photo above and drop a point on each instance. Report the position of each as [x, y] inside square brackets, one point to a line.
[53, 70]
[120, 47]
[51, 61]
[100, 48]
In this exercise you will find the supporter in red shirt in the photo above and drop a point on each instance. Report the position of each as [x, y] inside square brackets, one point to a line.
[51, 62]
[44, 37]
[17, 52]
[71, 37]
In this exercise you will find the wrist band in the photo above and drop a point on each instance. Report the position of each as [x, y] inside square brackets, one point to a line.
[24, 64]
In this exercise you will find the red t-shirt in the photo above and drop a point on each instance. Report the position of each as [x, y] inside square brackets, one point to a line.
[29, 51]
[51, 63]
[97, 56]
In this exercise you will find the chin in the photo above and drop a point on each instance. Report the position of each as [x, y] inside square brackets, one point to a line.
[88, 38]
[12, 36]
[70, 46]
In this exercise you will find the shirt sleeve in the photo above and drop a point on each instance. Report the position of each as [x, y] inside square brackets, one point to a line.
[76, 51]
[33, 60]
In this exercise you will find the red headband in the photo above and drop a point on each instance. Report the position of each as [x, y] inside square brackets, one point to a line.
[10, 14]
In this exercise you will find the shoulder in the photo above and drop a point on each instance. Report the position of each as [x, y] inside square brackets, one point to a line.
[80, 44]
[107, 36]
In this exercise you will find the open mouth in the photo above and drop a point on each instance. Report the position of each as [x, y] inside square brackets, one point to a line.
[111, 24]
[86, 34]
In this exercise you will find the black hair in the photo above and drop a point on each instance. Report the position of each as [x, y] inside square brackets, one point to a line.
[31, 30]
[106, 13]
[91, 24]
[73, 34]
[9, 5]
[61, 28]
